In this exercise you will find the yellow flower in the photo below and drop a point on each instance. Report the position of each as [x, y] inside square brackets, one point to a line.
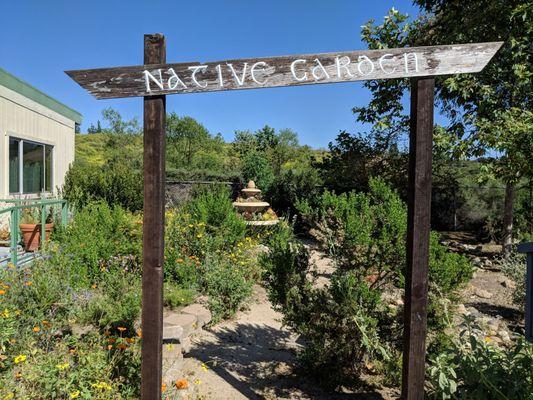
[9, 396]
[36, 329]
[5, 313]
[75, 394]
[63, 366]
[197, 381]
[20, 358]
[28, 283]
[101, 385]
[199, 236]
[204, 367]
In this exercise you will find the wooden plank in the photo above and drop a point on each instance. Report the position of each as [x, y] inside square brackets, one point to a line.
[153, 230]
[419, 211]
[154, 79]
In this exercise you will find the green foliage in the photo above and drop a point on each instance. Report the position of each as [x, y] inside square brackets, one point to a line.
[351, 322]
[256, 168]
[226, 285]
[101, 238]
[514, 267]
[114, 183]
[475, 369]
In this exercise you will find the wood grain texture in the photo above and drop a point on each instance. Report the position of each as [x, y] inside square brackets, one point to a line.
[153, 230]
[307, 69]
[418, 230]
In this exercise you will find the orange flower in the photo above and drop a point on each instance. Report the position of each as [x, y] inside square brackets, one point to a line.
[28, 283]
[130, 340]
[36, 329]
[2, 291]
[109, 346]
[163, 387]
[140, 333]
[121, 329]
[72, 351]
[181, 384]
[111, 340]
[18, 375]
[47, 324]
[122, 346]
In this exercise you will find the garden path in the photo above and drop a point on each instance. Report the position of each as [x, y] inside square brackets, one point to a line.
[253, 357]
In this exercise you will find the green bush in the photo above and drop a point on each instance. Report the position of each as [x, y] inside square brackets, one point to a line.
[226, 285]
[352, 321]
[100, 238]
[514, 267]
[116, 183]
[475, 369]
[256, 168]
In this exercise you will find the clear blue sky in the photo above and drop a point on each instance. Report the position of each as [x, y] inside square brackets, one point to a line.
[41, 39]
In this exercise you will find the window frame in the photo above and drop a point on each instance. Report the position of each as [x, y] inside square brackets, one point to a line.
[43, 145]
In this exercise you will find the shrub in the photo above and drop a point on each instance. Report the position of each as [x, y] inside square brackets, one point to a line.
[256, 167]
[115, 183]
[514, 267]
[226, 285]
[475, 369]
[344, 321]
[100, 238]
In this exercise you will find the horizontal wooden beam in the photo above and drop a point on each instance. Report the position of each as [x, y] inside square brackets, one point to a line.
[306, 69]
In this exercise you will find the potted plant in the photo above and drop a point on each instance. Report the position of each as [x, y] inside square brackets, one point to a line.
[30, 227]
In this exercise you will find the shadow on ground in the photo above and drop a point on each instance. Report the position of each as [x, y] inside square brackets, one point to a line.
[259, 361]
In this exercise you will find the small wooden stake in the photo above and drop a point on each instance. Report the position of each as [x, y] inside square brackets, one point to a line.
[419, 204]
[153, 229]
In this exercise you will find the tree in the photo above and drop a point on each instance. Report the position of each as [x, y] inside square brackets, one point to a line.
[186, 136]
[118, 125]
[475, 104]
[95, 129]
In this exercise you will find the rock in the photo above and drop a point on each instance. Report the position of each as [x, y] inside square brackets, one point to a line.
[504, 335]
[482, 293]
[461, 309]
[202, 314]
[172, 332]
[185, 343]
[491, 248]
[186, 321]
[508, 283]
[172, 352]
[80, 330]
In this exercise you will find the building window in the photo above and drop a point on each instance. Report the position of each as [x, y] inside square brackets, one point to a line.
[30, 167]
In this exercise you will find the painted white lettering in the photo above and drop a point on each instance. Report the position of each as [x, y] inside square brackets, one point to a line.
[240, 82]
[361, 60]
[293, 70]
[382, 59]
[148, 75]
[406, 61]
[220, 78]
[195, 70]
[340, 65]
[319, 65]
[174, 80]
[252, 72]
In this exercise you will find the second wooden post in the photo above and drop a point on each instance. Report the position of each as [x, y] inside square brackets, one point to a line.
[418, 229]
[153, 229]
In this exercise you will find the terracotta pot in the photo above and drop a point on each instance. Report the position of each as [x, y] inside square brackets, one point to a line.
[31, 235]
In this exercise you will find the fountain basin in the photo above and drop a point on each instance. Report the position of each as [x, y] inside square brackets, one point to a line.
[251, 207]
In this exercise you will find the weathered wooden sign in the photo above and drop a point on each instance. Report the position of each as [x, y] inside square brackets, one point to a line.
[254, 73]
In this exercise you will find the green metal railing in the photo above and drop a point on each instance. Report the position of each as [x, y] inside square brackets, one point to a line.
[15, 211]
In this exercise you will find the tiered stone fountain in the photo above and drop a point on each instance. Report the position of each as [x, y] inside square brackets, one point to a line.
[255, 211]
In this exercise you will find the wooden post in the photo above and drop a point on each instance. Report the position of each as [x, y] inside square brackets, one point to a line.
[528, 249]
[419, 212]
[153, 229]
